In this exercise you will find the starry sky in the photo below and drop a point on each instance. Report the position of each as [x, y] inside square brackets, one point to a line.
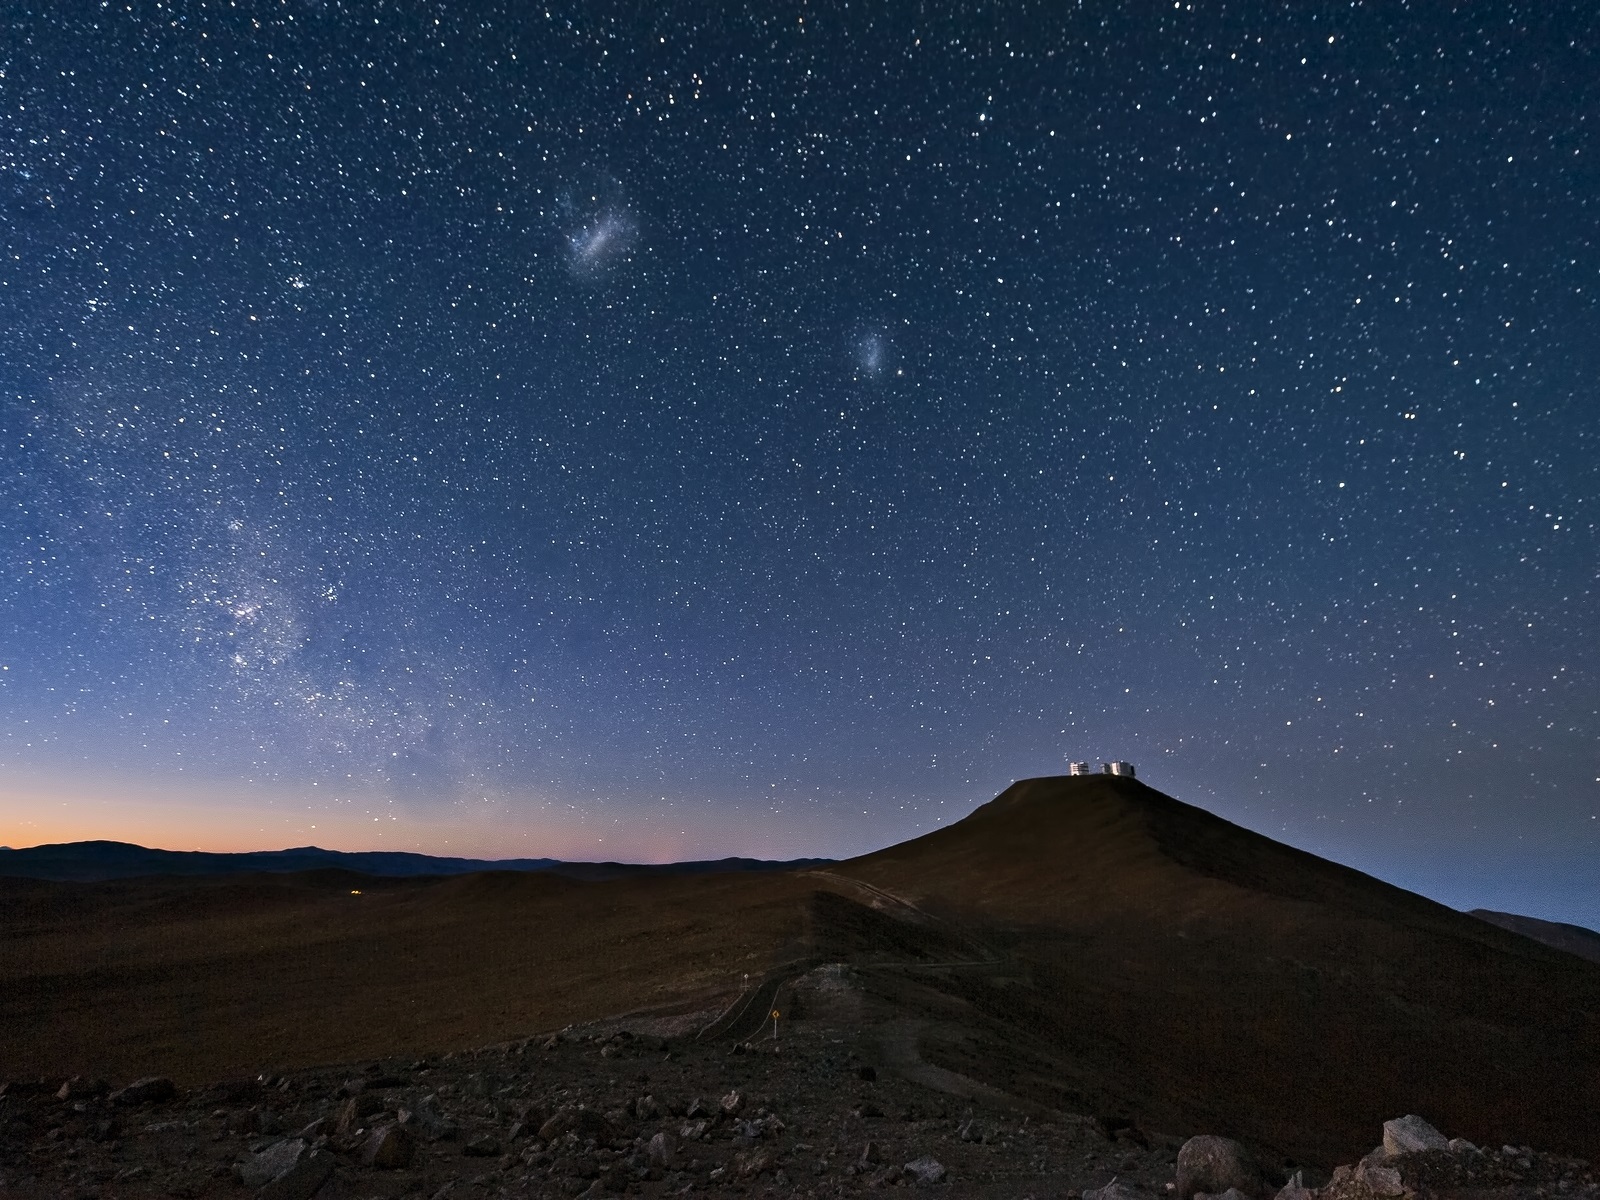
[675, 430]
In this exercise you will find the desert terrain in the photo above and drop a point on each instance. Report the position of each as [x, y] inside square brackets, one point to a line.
[1060, 988]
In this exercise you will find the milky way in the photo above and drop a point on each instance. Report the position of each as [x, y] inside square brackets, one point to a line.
[775, 432]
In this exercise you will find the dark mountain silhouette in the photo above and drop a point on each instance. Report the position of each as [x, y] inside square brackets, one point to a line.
[89, 861]
[1574, 939]
[1177, 969]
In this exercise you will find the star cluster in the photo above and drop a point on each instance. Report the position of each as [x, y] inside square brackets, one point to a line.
[773, 429]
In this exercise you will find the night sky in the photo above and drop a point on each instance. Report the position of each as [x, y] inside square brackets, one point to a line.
[674, 430]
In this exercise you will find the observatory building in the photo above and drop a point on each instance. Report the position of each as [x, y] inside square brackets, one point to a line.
[1110, 768]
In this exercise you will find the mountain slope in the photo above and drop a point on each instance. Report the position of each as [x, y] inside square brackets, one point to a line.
[1194, 974]
[1574, 939]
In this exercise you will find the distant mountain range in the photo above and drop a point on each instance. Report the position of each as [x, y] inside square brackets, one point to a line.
[1574, 939]
[87, 862]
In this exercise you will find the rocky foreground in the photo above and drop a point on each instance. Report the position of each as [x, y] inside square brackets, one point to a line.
[612, 1110]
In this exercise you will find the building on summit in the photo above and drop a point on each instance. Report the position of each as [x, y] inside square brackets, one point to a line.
[1110, 768]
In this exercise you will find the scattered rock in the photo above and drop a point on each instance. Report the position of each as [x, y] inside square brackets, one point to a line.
[925, 1169]
[427, 1120]
[1114, 1190]
[389, 1147]
[751, 1163]
[243, 1090]
[82, 1147]
[79, 1088]
[152, 1089]
[1213, 1165]
[1409, 1134]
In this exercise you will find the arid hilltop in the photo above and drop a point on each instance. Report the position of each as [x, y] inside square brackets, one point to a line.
[1078, 945]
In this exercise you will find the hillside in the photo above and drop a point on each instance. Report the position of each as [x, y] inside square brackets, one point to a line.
[1083, 945]
[1194, 974]
[1574, 939]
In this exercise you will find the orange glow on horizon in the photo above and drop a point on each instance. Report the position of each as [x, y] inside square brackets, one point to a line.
[41, 811]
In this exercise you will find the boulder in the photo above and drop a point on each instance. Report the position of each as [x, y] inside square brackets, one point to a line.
[301, 1181]
[486, 1146]
[646, 1108]
[1213, 1165]
[1410, 1134]
[925, 1169]
[732, 1104]
[389, 1147]
[262, 1168]
[357, 1109]
[1384, 1181]
[661, 1149]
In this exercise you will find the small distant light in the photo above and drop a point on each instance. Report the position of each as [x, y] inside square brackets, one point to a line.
[355, 891]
